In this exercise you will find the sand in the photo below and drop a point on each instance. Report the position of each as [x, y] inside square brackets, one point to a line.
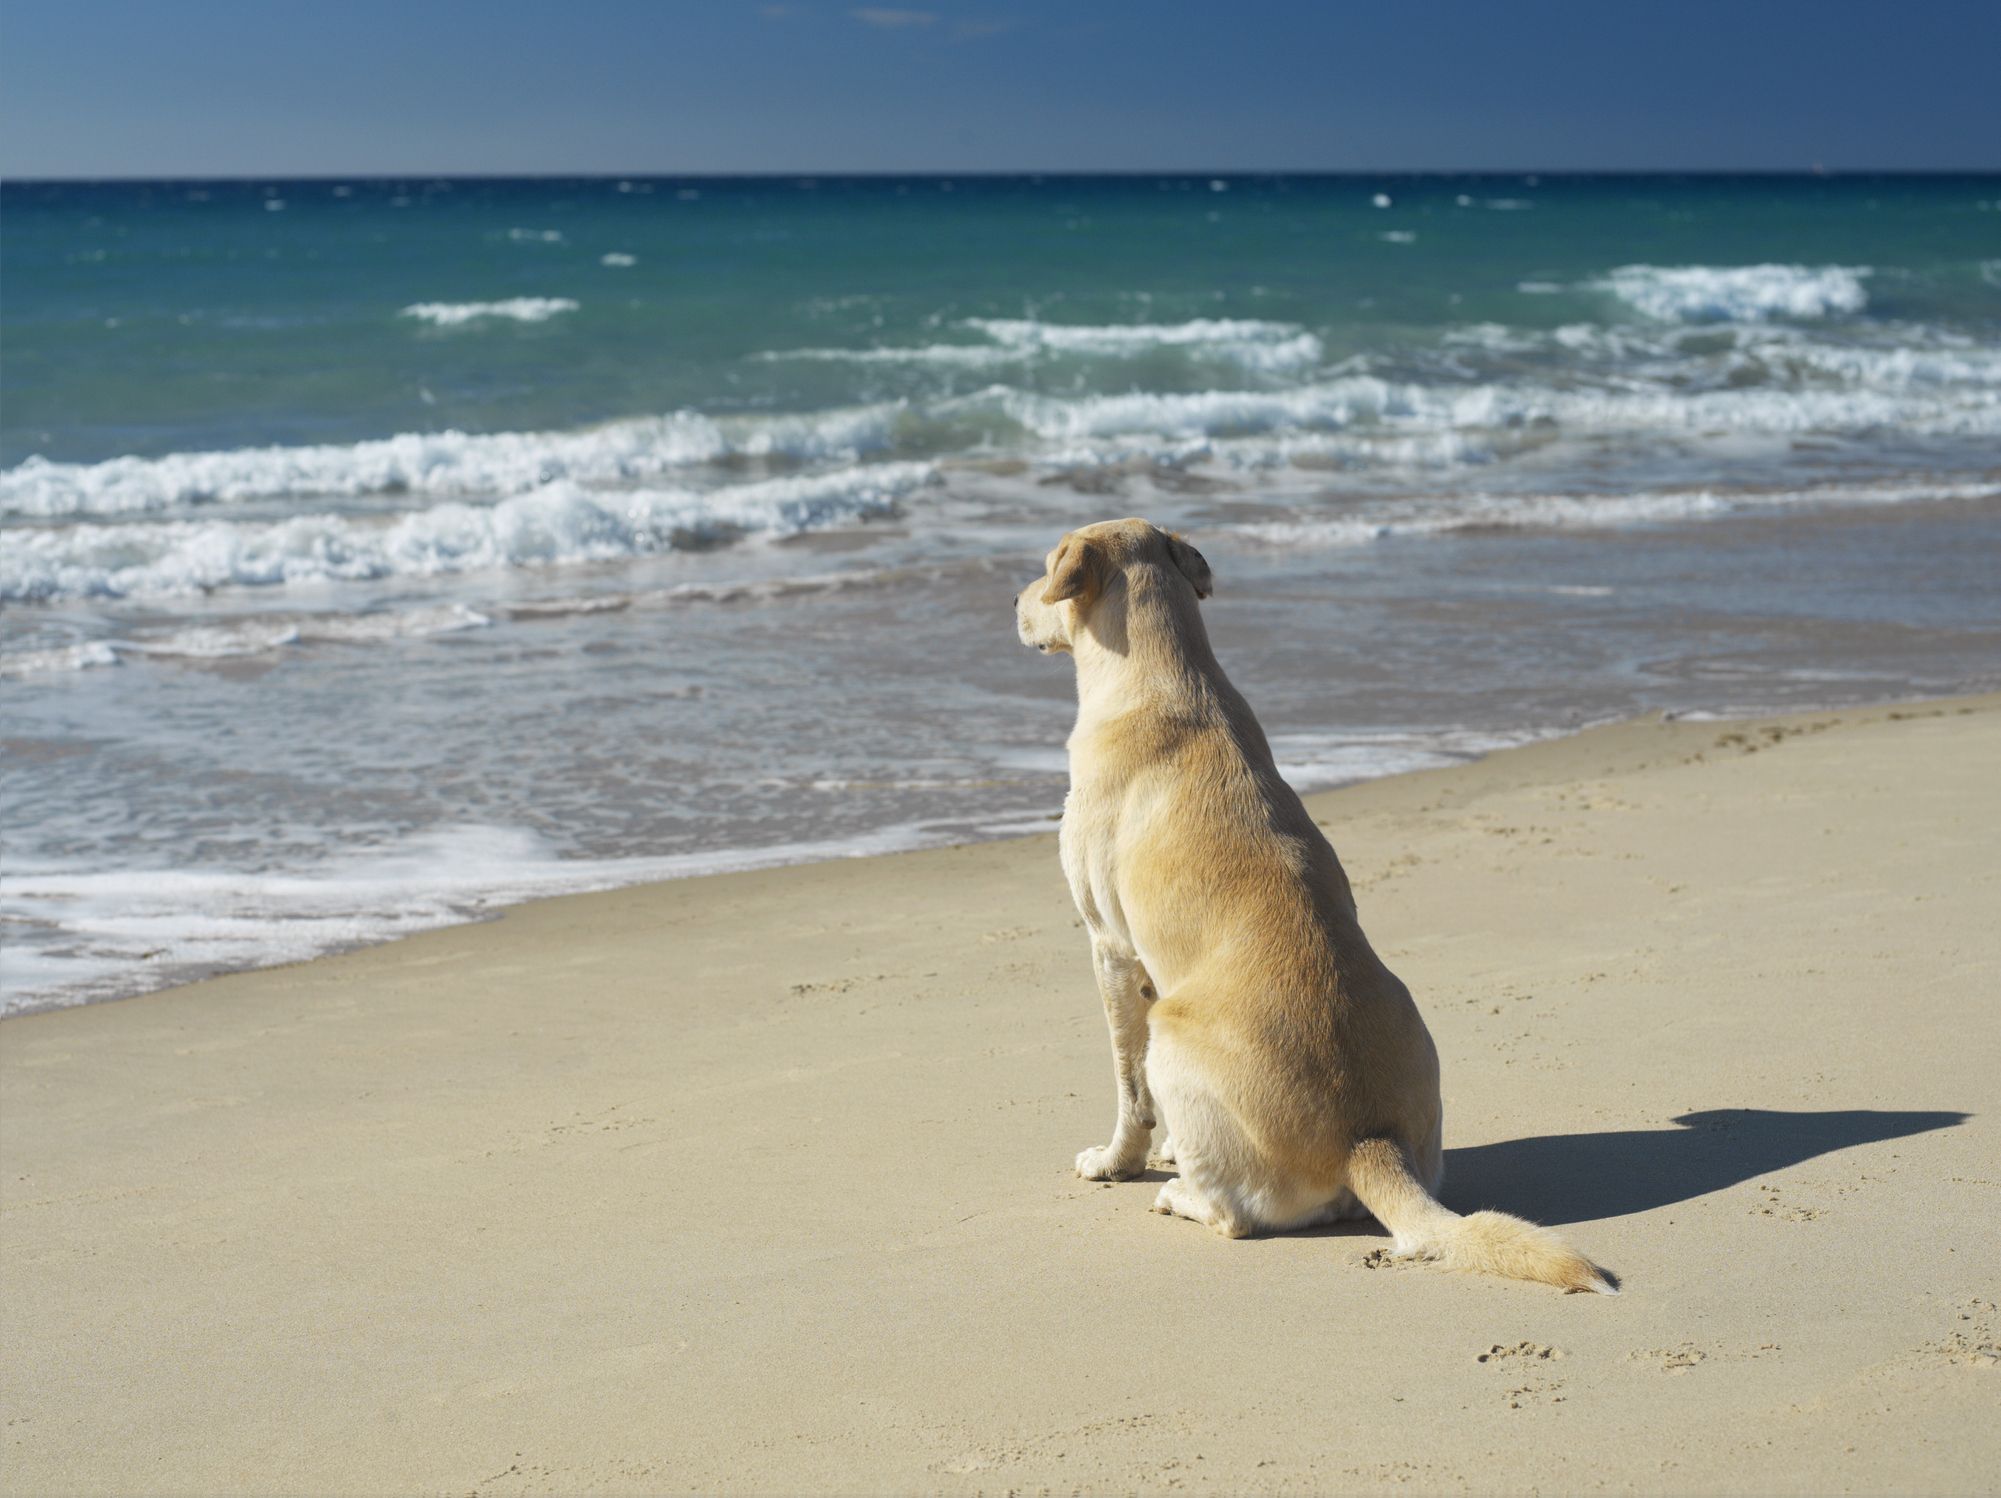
[761, 1183]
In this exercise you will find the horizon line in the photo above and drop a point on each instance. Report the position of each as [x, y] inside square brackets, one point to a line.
[990, 173]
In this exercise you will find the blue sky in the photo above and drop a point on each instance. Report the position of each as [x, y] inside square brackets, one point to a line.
[303, 87]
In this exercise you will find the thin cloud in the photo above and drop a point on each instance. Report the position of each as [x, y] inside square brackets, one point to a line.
[893, 20]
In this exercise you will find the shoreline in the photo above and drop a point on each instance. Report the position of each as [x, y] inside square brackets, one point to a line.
[761, 1181]
[559, 878]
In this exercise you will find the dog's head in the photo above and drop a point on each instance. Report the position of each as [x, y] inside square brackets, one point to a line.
[1099, 566]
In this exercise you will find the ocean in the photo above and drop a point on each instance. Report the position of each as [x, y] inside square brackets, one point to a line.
[374, 554]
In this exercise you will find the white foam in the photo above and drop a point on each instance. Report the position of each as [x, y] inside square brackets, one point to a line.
[240, 638]
[1398, 236]
[1410, 453]
[1913, 357]
[515, 309]
[1744, 378]
[968, 355]
[131, 930]
[741, 590]
[1408, 407]
[618, 259]
[557, 524]
[1098, 338]
[57, 659]
[1367, 523]
[435, 463]
[1318, 761]
[1194, 413]
[389, 624]
[214, 642]
[1252, 344]
[1738, 293]
[1888, 357]
[536, 236]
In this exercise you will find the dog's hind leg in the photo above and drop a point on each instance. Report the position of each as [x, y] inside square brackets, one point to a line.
[1179, 1199]
[1216, 1158]
[1228, 1181]
[1127, 991]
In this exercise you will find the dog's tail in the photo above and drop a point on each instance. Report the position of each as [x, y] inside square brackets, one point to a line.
[1492, 1242]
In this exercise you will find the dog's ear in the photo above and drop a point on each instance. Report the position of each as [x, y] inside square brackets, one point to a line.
[1193, 565]
[1075, 572]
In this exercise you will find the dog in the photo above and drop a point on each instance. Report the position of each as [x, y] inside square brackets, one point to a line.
[1248, 1012]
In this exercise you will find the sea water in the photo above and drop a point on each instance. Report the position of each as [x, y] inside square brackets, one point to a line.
[375, 553]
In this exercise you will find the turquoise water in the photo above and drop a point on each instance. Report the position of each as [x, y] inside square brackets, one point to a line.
[372, 553]
[158, 318]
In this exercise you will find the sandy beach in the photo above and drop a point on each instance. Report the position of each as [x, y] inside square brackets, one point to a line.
[762, 1182]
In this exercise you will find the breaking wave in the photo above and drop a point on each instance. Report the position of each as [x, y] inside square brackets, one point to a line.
[1409, 406]
[436, 464]
[513, 309]
[1256, 346]
[1739, 293]
[558, 523]
[1768, 381]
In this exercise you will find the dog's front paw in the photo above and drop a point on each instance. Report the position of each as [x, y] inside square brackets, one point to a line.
[1162, 1156]
[1102, 1163]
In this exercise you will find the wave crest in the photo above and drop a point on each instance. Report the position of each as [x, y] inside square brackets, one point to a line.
[438, 463]
[1251, 344]
[1739, 293]
[559, 523]
[514, 309]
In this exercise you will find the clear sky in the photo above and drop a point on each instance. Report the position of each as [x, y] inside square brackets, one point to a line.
[347, 87]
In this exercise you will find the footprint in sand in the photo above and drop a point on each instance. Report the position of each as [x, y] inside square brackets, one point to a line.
[1974, 1342]
[1532, 1357]
[1530, 1351]
[1678, 1359]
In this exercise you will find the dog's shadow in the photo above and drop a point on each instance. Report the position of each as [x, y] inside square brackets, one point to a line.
[1561, 1178]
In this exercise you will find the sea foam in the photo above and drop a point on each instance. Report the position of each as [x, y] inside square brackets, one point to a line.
[1249, 343]
[1408, 406]
[1477, 512]
[516, 309]
[240, 638]
[558, 523]
[435, 463]
[131, 929]
[1739, 293]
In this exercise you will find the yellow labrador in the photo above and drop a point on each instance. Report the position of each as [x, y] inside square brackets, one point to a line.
[1248, 1012]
